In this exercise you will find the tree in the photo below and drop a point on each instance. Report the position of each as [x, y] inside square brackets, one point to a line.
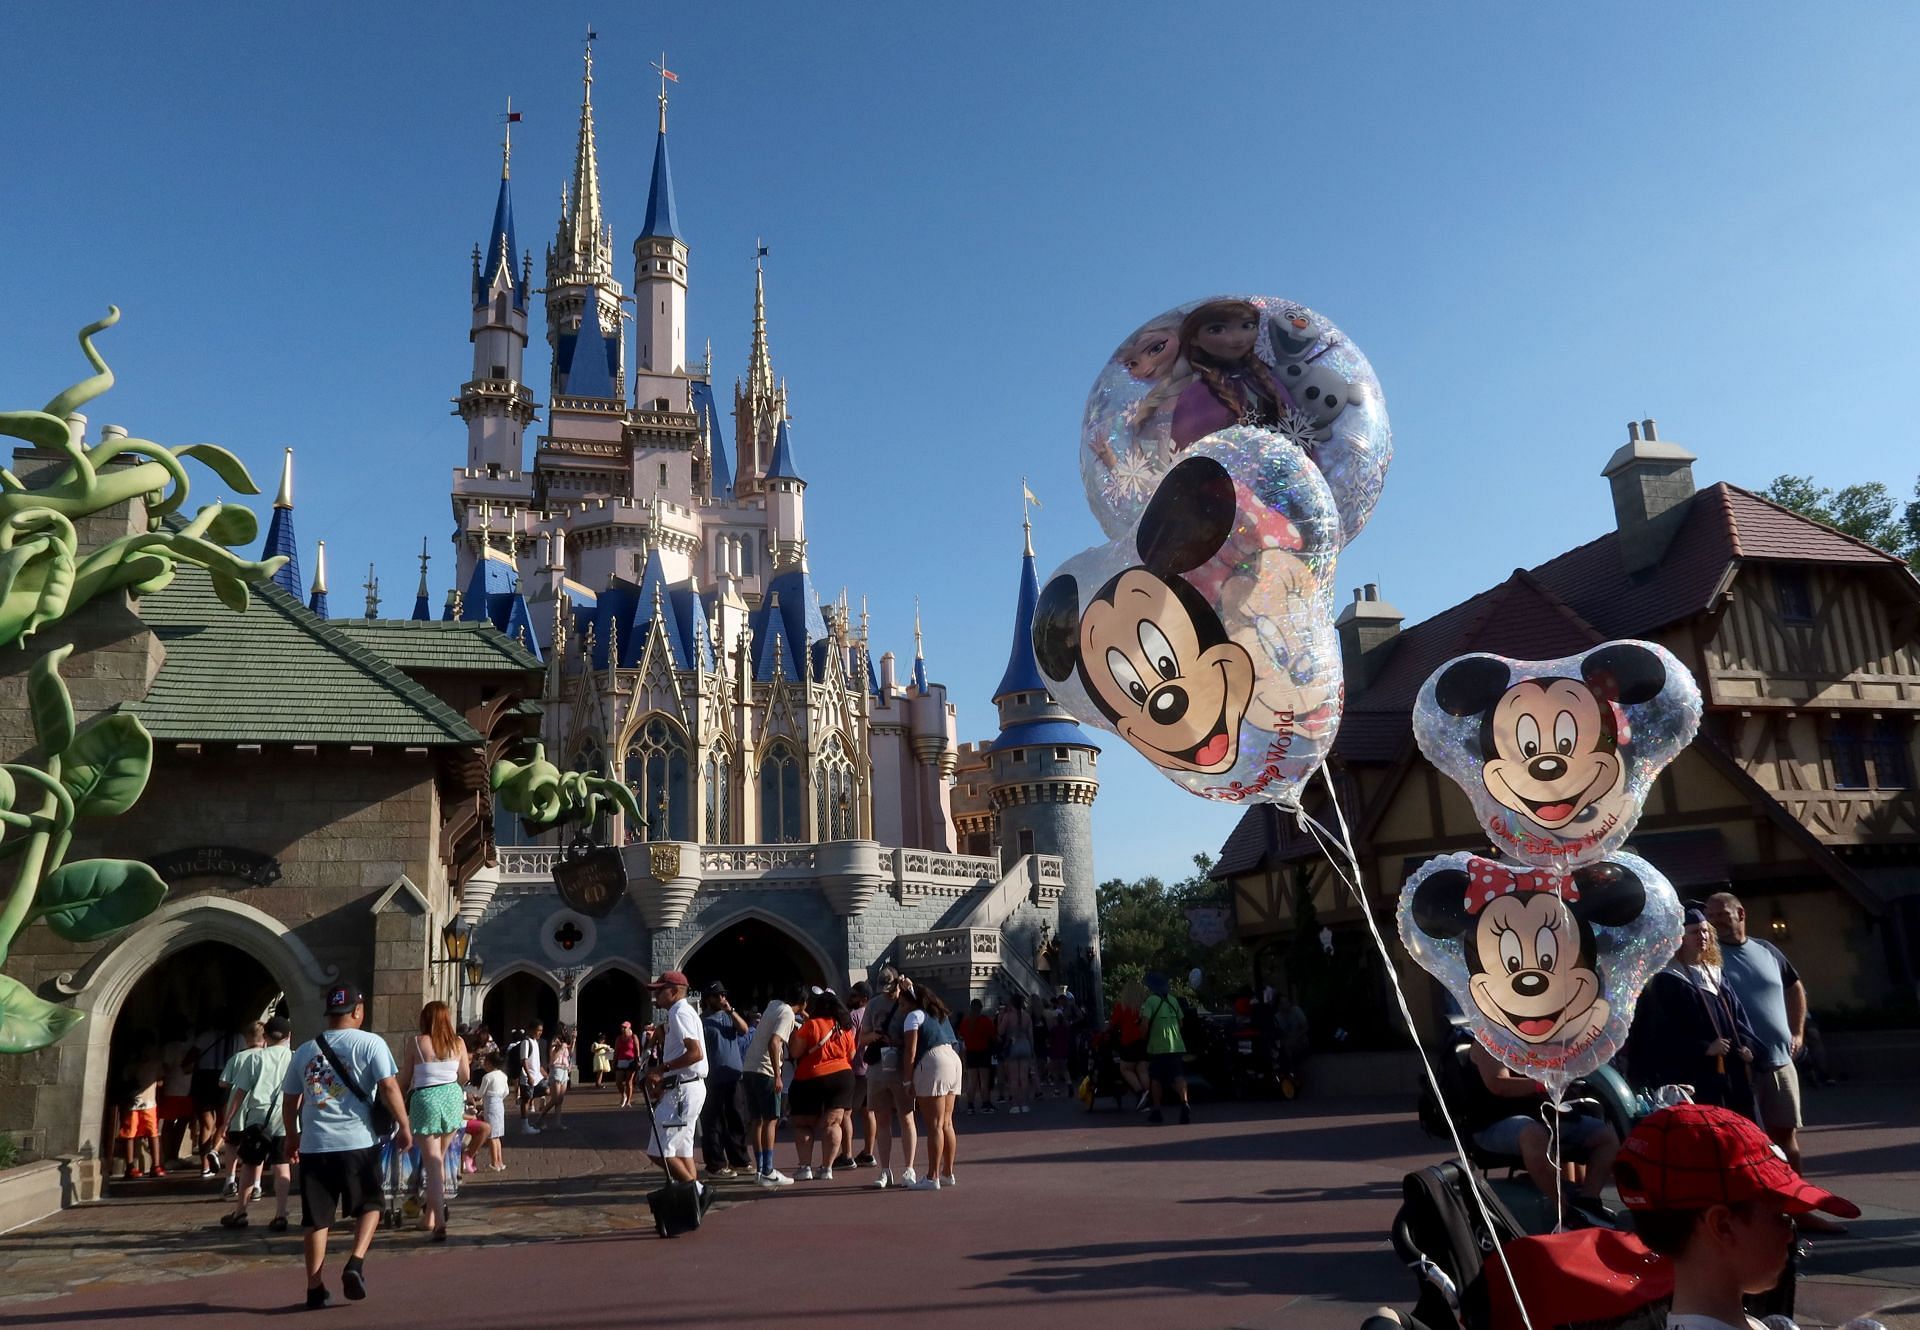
[1144, 926]
[1866, 512]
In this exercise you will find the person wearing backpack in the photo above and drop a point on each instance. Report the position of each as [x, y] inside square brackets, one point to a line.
[330, 1100]
[254, 1121]
[1166, 1048]
[524, 1065]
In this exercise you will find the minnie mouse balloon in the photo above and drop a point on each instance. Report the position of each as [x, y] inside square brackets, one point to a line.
[1234, 360]
[1547, 965]
[1205, 637]
[1558, 756]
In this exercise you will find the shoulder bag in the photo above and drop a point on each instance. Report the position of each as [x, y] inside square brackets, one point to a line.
[383, 1121]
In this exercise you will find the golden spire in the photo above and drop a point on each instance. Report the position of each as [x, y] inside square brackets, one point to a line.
[285, 497]
[320, 570]
[581, 247]
[759, 363]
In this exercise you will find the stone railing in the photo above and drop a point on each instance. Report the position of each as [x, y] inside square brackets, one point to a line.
[921, 873]
[521, 863]
[756, 861]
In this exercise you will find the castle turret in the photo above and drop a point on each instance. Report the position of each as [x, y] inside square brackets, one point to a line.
[1043, 784]
[786, 502]
[660, 285]
[759, 404]
[580, 260]
[317, 602]
[494, 401]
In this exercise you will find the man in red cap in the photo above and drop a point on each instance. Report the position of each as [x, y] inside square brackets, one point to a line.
[1710, 1191]
[679, 1082]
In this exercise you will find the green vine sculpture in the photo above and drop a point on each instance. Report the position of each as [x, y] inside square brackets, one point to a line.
[545, 796]
[98, 769]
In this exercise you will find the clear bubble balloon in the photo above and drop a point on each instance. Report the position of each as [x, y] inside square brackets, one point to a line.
[1558, 756]
[1204, 635]
[1256, 361]
[1545, 964]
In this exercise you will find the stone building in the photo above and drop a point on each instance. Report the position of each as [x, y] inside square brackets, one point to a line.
[317, 801]
[1798, 793]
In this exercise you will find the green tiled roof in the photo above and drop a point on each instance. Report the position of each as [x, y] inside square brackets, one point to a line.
[278, 674]
[473, 646]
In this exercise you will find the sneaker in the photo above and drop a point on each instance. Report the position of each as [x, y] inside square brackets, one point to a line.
[948, 1181]
[134, 1174]
[825, 1174]
[277, 1224]
[231, 1190]
[773, 1179]
[906, 1177]
[722, 1173]
[884, 1181]
[233, 1220]
[844, 1161]
[803, 1174]
[925, 1184]
[469, 1165]
[353, 1281]
[986, 1108]
[207, 1170]
[159, 1172]
[1186, 1116]
[318, 1297]
[1144, 1101]
[532, 1130]
[864, 1159]
[254, 1195]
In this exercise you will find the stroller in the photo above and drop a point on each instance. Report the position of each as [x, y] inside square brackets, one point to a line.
[1103, 1080]
[405, 1180]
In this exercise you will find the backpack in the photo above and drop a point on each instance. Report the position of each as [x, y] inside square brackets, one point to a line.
[1439, 1221]
[516, 1059]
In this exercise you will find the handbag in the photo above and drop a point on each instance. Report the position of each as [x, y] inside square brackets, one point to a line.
[384, 1123]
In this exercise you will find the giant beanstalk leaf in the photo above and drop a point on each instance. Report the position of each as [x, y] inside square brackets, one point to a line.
[50, 703]
[88, 900]
[222, 463]
[28, 1023]
[106, 767]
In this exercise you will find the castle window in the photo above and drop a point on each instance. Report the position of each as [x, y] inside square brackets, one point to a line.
[780, 807]
[1794, 590]
[663, 474]
[833, 794]
[499, 371]
[1061, 755]
[500, 316]
[747, 559]
[719, 800]
[658, 776]
[1026, 840]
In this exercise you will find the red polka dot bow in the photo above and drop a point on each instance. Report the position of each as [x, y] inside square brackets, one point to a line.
[1489, 879]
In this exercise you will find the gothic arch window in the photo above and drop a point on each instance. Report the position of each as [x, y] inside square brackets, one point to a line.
[500, 314]
[781, 820]
[657, 773]
[717, 825]
[833, 793]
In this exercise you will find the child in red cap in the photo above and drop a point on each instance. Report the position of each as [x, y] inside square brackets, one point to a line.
[1708, 1190]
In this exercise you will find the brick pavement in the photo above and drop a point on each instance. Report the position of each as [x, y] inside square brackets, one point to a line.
[1253, 1217]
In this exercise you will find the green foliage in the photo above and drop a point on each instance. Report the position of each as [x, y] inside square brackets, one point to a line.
[1144, 926]
[101, 768]
[1866, 512]
[9, 1152]
[545, 796]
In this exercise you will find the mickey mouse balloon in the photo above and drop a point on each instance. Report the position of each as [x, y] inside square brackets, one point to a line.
[1546, 965]
[1234, 360]
[1205, 638]
[1558, 756]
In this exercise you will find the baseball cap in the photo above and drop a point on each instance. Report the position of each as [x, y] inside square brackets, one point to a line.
[279, 1028]
[716, 989]
[340, 1001]
[1691, 1156]
[670, 979]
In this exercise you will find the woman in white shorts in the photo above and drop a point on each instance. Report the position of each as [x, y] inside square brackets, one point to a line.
[929, 1045]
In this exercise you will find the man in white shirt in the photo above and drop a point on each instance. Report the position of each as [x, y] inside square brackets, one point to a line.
[533, 1078]
[761, 1065]
[678, 1082]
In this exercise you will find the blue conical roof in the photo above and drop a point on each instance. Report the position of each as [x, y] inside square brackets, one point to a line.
[317, 602]
[662, 219]
[1023, 670]
[501, 247]
[421, 609]
[588, 371]
[721, 461]
[781, 466]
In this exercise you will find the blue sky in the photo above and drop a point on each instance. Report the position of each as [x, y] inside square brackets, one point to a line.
[1538, 222]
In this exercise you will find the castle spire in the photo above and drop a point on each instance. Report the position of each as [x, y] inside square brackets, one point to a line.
[662, 219]
[759, 362]
[317, 602]
[919, 652]
[581, 249]
[280, 537]
[372, 585]
[421, 608]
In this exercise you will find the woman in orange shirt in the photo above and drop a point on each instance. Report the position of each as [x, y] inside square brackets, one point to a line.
[822, 1050]
[1130, 1037]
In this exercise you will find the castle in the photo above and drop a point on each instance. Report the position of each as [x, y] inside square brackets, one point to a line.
[808, 812]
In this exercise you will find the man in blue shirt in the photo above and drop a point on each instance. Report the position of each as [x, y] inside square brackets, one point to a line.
[1776, 1001]
[327, 1103]
[723, 1133]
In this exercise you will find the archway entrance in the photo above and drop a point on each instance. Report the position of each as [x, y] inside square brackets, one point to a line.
[197, 1001]
[756, 960]
[605, 1000]
[517, 1002]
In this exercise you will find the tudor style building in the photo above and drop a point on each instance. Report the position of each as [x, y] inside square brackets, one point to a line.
[1798, 793]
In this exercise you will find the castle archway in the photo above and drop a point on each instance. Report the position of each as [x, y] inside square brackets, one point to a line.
[757, 958]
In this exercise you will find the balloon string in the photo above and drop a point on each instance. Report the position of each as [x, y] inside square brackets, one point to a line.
[1550, 1114]
[1328, 843]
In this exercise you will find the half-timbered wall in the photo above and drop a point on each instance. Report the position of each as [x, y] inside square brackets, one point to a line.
[1793, 635]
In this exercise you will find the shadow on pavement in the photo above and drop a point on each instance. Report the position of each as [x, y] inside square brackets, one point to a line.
[1261, 1265]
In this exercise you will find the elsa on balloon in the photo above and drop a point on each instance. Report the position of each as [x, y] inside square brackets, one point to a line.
[1151, 355]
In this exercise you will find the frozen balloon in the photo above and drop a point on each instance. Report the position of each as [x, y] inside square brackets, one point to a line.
[1558, 756]
[1204, 637]
[1545, 964]
[1256, 361]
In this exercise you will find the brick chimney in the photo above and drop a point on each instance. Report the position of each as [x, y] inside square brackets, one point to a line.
[1367, 629]
[1652, 482]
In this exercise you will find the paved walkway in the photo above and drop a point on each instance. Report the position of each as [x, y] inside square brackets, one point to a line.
[1253, 1217]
